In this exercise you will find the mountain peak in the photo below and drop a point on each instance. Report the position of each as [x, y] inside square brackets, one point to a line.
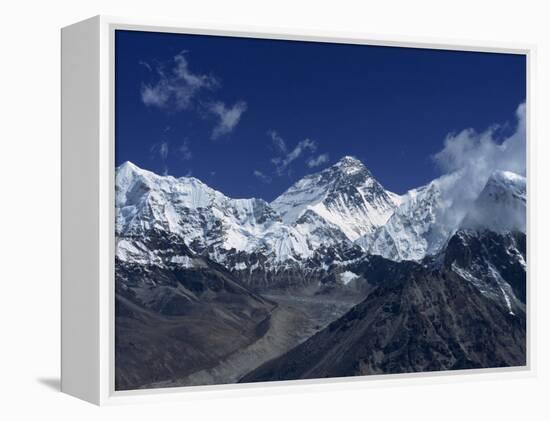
[129, 169]
[345, 195]
[503, 183]
[349, 165]
[349, 161]
[501, 205]
[127, 165]
[507, 179]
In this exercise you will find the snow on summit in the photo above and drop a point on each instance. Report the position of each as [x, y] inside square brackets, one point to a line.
[345, 195]
[501, 206]
[338, 209]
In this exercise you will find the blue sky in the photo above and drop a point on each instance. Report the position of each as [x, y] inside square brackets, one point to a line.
[249, 117]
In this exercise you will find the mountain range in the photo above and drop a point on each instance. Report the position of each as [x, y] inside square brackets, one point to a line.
[337, 276]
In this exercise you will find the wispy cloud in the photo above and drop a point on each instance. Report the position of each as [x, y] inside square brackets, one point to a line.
[468, 158]
[160, 150]
[228, 117]
[285, 156]
[278, 141]
[185, 151]
[482, 153]
[177, 86]
[262, 177]
[283, 162]
[146, 65]
[317, 161]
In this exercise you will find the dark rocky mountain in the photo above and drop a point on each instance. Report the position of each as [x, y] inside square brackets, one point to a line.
[495, 263]
[181, 315]
[429, 316]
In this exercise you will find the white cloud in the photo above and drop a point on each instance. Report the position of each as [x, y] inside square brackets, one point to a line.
[285, 156]
[282, 163]
[146, 65]
[228, 117]
[177, 86]
[262, 177]
[482, 153]
[278, 141]
[469, 158]
[160, 149]
[319, 160]
[185, 151]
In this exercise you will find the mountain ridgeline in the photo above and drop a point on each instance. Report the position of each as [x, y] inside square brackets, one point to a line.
[336, 277]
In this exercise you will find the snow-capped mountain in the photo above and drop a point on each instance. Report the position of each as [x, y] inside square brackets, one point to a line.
[202, 216]
[324, 210]
[334, 263]
[489, 246]
[429, 215]
[345, 195]
[323, 219]
[415, 229]
[501, 206]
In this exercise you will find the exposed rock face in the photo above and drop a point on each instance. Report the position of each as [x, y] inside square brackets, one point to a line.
[180, 315]
[495, 263]
[415, 319]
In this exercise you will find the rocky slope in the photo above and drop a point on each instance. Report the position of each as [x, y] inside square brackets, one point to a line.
[421, 317]
[180, 313]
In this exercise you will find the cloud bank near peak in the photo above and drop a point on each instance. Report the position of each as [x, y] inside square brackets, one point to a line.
[468, 159]
[317, 161]
[482, 153]
[283, 161]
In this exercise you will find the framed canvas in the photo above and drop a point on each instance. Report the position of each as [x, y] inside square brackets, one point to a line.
[245, 209]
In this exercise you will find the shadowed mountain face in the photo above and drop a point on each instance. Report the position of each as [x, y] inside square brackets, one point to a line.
[336, 277]
[180, 316]
[495, 263]
[415, 319]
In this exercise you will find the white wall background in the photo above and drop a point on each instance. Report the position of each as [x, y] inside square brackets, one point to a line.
[29, 208]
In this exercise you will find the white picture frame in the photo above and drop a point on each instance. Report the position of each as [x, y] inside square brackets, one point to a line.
[88, 211]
